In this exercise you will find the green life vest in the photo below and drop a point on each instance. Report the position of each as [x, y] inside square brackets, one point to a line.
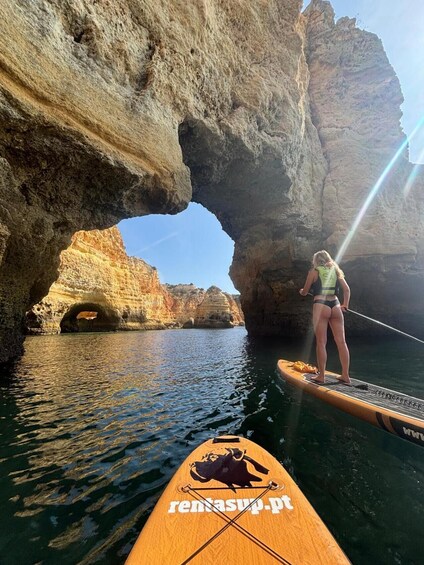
[327, 281]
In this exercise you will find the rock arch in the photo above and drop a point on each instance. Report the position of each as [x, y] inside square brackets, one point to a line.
[106, 319]
[263, 115]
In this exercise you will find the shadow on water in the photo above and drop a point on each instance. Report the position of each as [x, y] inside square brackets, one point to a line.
[96, 424]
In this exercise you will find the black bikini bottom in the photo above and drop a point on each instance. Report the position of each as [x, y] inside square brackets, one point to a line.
[330, 303]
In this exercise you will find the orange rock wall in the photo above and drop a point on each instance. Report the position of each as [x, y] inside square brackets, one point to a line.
[96, 274]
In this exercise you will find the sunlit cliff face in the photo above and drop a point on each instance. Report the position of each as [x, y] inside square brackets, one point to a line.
[100, 288]
[276, 122]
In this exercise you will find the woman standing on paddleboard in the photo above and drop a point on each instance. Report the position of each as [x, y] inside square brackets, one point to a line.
[323, 280]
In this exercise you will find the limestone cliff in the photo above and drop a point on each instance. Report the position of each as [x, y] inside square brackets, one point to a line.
[194, 307]
[355, 103]
[95, 274]
[116, 109]
[279, 123]
[100, 288]
[376, 223]
[214, 311]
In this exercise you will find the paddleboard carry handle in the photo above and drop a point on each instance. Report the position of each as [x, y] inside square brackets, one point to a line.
[226, 439]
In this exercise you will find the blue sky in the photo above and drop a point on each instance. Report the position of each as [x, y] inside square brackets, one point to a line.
[191, 247]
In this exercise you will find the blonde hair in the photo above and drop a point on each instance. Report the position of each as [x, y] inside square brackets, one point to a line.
[324, 259]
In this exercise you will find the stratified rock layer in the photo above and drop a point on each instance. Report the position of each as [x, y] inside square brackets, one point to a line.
[195, 307]
[116, 109]
[100, 288]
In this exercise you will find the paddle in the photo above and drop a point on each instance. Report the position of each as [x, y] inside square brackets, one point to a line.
[380, 323]
[385, 325]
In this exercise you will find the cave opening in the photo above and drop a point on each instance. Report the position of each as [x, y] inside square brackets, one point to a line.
[187, 248]
[89, 317]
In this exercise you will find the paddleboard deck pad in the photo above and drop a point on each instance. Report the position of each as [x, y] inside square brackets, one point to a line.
[232, 502]
[394, 412]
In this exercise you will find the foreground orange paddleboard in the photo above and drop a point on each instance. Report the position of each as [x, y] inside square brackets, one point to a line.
[392, 411]
[231, 502]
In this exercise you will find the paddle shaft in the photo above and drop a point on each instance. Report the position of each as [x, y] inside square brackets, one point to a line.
[380, 323]
[385, 325]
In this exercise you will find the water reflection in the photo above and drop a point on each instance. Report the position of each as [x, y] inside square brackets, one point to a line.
[96, 424]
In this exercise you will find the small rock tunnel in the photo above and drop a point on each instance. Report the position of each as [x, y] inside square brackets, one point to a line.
[89, 317]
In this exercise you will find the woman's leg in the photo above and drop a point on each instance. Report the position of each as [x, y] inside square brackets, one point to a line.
[321, 316]
[337, 327]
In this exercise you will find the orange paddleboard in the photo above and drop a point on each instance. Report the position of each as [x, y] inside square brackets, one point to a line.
[232, 502]
[394, 412]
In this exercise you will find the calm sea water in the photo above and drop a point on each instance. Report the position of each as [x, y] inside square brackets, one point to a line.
[94, 425]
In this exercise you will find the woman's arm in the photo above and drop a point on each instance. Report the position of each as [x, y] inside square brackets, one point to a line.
[346, 294]
[310, 279]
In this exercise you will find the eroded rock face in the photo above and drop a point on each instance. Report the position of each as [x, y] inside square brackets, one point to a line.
[214, 311]
[115, 109]
[100, 288]
[95, 274]
[355, 102]
[355, 105]
[195, 307]
[102, 104]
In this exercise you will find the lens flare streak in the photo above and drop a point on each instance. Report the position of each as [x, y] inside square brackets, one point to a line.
[413, 175]
[374, 191]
